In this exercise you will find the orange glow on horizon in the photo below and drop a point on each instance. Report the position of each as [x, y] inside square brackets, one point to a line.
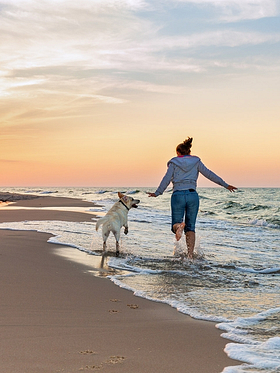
[105, 104]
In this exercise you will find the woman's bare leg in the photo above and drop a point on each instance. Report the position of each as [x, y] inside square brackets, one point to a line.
[190, 239]
[178, 228]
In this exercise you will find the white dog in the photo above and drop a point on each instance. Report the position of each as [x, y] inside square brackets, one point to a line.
[116, 218]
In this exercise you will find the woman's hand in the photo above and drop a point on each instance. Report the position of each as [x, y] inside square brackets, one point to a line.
[231, 188]
[152, 195]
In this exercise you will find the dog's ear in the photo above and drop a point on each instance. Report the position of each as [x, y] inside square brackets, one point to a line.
[120, 195]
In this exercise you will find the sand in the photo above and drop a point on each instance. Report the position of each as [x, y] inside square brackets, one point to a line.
[57, 317]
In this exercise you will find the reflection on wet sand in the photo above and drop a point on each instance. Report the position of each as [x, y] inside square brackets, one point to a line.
[96, 263]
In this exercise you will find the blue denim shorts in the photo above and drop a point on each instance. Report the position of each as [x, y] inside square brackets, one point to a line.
[185, 203]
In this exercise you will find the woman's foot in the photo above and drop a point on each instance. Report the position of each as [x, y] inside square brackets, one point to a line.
[179, 231]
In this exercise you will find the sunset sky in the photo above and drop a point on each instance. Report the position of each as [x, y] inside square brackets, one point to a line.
[100, 92]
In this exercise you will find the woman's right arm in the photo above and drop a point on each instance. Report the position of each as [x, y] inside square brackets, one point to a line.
[167, 178]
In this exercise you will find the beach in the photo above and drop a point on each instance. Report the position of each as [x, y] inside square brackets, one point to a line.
[57, 317]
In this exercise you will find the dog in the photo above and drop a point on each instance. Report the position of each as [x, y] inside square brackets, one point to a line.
[116, 218]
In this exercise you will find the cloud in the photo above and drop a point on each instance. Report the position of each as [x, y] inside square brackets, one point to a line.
[60, 58]
[105, 35]
[237, 10]
[64, 32]
[219, 38]
[59, 40]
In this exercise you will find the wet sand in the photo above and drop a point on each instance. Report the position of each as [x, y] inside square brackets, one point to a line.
[57, 317]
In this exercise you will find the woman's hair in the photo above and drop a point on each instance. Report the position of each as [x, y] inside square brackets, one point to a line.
[185, 147]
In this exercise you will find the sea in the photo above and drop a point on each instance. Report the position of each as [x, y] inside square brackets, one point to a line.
[234, 279]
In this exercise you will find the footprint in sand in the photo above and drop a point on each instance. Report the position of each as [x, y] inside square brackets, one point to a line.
[133, 306]
[115, 359]
[87, 352]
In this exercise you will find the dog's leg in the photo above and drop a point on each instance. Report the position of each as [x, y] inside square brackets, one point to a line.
[105, 235]
[117, 237]
[117, 248]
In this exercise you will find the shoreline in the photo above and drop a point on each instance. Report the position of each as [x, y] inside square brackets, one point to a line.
[35, 208]
[57, 317]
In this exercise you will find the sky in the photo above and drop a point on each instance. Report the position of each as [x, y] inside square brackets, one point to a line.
[100, 92]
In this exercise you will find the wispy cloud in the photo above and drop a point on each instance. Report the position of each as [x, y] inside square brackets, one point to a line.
[51, 44]
[219, 38]
[63, 57]
[237, 10]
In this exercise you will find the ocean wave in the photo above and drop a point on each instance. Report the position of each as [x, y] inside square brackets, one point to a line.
[101, 191]
[242, 330]
[262, 223]
[254, 207]
[264, 356]
[49, 192]
[274, 221]
[257, 342]
[259, 207]
[203, 197]
[133, 191]
[97, 209]
[205, 213]
[261, 271]
[245, 207]
[141, 221]
[33, 191]
[232, 204]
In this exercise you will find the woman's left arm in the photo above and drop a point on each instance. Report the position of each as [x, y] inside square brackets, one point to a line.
[213, 177]
[231, 188]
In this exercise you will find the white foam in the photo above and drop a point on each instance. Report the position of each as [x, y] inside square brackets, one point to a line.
[48, 192]
[240, 369]
[248, 321]
[263, 271]
[116, 264]
[259, 355]
[265, 355]
[180, 248]
[262, 223]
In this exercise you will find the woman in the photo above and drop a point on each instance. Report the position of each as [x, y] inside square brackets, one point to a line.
[183, 171]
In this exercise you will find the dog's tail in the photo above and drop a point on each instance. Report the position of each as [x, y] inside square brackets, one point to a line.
[99, 222]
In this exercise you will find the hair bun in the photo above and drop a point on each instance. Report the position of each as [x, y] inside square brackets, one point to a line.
[185, 147]
[188, 141]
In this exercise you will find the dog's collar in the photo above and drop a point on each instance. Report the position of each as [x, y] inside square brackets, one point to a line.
[123, 204]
